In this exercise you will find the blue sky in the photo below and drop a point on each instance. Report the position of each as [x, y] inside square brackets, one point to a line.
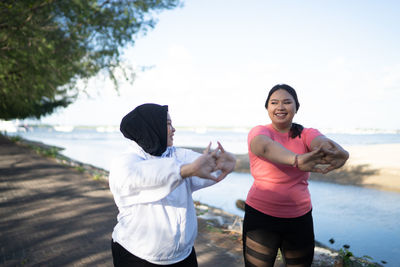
[213, 63]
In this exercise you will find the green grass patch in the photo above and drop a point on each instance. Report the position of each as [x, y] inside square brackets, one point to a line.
[80, 169]
[51, 152]
[214, 229]
[97, 177]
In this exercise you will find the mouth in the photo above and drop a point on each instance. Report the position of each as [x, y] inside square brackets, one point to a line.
[280, 115]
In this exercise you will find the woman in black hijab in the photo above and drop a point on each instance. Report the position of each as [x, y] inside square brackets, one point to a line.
[152, 185]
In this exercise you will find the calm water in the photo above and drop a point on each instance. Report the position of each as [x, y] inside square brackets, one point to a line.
[365, 219]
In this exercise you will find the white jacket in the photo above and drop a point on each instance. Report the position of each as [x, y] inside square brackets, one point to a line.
[157, 219]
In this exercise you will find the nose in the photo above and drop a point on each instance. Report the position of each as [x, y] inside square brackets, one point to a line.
[280, 106]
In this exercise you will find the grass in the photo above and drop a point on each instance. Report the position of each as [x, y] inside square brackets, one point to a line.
[15, 138]
[42, 150]
[54, 152]
[214, 229]
[97, 177]
[80, 169]
[348, 259]
[51, 152]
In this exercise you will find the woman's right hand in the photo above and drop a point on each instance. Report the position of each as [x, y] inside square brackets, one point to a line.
[308, 162]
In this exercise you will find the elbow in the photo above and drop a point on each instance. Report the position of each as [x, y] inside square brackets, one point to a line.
[347, 154]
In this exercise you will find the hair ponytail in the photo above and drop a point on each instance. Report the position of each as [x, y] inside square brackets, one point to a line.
[296, 130]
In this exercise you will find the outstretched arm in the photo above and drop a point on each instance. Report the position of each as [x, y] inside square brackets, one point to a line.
[265, 147]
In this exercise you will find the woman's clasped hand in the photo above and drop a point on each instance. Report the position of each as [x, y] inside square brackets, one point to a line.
[209, 162]
[322, 159]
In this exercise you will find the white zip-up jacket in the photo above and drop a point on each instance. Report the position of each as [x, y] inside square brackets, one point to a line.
[157, 219]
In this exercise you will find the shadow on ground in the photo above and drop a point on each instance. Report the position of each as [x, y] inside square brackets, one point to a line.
[349, 175]
[51, 215]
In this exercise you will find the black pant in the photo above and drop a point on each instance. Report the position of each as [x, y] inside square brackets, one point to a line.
[263, 235]
[123, 258]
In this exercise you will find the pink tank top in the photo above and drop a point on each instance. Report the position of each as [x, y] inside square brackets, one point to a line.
[280, 190]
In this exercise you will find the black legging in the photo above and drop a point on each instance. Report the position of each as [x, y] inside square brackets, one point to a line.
[123, 258]
[263, 235]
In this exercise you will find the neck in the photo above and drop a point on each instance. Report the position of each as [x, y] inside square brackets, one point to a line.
[282, 128]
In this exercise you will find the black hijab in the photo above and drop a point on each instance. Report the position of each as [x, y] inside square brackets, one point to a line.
[147, 126]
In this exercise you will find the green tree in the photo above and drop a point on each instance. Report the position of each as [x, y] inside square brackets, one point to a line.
[46, 46]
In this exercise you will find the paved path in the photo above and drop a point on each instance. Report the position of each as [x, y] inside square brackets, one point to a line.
[53, 215]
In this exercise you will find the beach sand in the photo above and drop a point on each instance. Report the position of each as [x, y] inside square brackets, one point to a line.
[374, 166]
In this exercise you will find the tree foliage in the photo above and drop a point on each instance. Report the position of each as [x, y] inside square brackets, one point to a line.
[46, 46]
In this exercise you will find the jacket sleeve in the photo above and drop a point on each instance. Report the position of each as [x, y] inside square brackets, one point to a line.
[134, 180]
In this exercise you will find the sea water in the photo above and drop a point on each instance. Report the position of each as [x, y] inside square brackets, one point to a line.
[365, 219]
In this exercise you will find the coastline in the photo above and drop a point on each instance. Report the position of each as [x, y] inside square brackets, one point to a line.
[215, 225]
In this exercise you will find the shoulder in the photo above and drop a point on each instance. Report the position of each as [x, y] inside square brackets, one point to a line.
[259, 130]
[311, 132]
[126, 159]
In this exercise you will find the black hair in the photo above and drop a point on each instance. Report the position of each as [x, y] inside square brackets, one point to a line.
[295, 129]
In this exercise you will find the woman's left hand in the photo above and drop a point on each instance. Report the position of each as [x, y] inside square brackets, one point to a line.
[334, 155]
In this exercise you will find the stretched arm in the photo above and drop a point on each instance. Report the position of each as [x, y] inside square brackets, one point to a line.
[134, 180]
[265, 147]
[335, 155]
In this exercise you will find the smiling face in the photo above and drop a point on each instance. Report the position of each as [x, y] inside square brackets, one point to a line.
[170, 133]
[281, 109]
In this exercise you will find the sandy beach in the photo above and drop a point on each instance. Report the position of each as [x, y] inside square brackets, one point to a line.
[374, 166]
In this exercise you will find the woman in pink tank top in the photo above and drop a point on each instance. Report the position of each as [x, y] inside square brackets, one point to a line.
[278, 205]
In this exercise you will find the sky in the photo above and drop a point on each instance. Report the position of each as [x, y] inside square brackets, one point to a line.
[213, 62]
